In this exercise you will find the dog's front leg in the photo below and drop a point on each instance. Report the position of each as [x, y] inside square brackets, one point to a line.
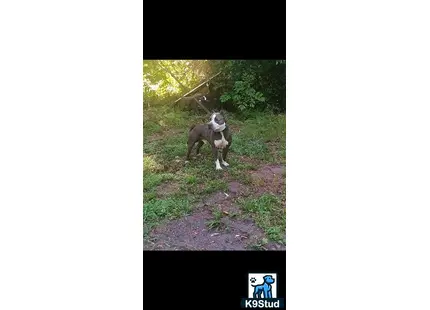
[224, 156]
[215, 154]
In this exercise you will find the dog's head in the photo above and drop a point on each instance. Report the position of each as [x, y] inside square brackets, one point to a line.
[268, 279]
[217, 122]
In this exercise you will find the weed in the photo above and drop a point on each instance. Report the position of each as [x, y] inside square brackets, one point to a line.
[216, 223]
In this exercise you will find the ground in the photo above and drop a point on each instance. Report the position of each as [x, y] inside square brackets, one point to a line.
[191, 206]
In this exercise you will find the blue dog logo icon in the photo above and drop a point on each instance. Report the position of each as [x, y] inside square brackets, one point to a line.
[263, 290]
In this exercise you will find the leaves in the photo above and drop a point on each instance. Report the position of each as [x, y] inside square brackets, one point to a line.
[253, 84]
[225, 97]
[244, 84]
[166, 78]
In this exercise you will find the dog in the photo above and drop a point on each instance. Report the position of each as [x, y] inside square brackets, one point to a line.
[265, 288]
[189, 103]
[217, 133]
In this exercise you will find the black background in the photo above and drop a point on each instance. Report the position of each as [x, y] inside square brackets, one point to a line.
[210, 30]
[206, 279]
[214, 30]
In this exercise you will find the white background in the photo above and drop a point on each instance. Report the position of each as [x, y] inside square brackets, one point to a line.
[71, 155]
[357, 155]
[259, 280]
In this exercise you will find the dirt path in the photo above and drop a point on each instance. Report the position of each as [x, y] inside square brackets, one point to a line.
[218, 222]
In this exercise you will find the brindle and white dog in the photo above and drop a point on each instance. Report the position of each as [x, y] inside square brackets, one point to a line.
[217, 133]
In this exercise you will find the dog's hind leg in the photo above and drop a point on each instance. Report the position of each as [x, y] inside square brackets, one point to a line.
[190, 148]
[199, 145]
[215, 153]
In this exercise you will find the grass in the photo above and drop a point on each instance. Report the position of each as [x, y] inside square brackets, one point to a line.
[216, 223]
[157, 210]
[258, 139]
[268, 213]
[151, 180]
[259, 130]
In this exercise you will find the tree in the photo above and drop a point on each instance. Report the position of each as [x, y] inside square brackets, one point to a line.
[165, 79]
[252, 84]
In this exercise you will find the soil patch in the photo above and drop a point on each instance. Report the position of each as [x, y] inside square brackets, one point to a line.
[167, 189]
[269, 179]
[217, 223]
[193, 233]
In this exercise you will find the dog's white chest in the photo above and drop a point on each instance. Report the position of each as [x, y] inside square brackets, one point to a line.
[221, 143]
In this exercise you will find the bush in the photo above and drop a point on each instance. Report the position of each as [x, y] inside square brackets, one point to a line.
[252, 84]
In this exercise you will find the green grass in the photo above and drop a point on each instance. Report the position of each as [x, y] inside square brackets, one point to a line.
[260, 245]
[151, 180]
[151, 164]
[268, 213]
[168, 147]
[215, 186]
[151, 128]
[154, 211]
[258, 139]
[216, 223]
[257, 131]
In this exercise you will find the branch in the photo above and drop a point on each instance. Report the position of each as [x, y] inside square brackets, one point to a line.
[197, 87]
[204, 108]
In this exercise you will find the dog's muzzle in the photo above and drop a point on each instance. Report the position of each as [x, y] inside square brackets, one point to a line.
[217, 127]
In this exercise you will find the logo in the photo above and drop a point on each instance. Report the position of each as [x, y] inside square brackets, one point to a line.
[262, 291]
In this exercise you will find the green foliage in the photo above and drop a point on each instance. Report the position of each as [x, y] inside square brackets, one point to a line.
[244, 94]
[166, 79]
[252, 84]
[244, 85]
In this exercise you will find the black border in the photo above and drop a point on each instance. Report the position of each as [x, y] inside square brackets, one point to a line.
[215, 30]
[206, 279]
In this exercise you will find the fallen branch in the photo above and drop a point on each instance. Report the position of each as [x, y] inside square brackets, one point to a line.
[197, 87]
[200, 104]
